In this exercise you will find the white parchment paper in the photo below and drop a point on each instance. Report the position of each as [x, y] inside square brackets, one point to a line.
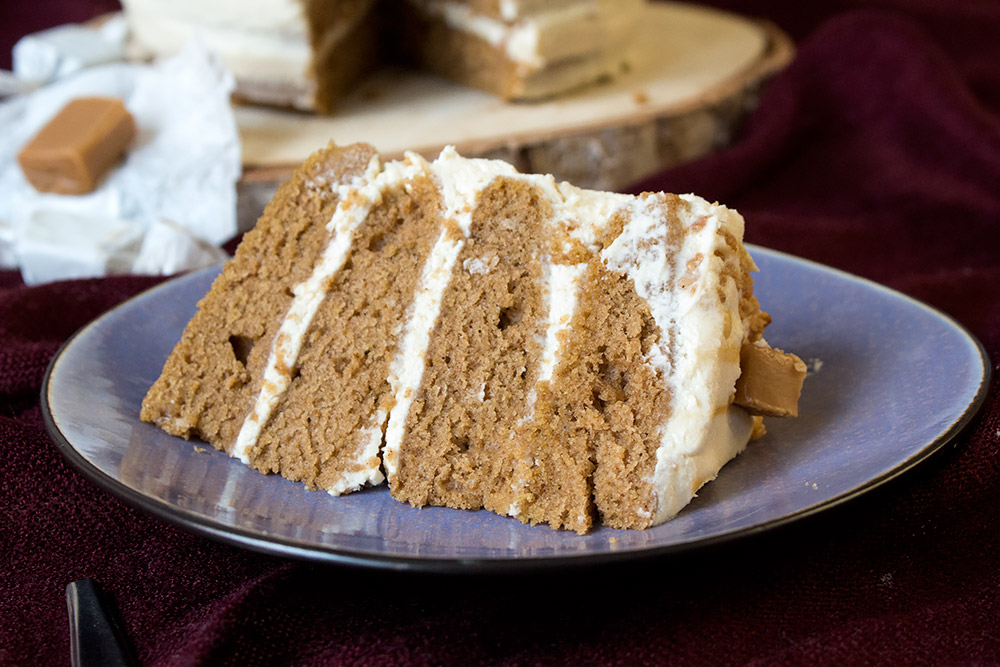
[178, 179]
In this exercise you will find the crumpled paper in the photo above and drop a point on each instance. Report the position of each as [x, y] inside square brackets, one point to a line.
[165, 208]
[66, 49]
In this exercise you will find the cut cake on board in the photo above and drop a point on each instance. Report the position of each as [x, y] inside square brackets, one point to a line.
[309, 53]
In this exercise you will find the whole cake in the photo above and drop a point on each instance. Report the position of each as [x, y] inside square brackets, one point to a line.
[482, 339]
[307, 53]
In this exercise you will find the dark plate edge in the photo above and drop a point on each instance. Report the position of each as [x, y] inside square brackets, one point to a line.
[275, 546]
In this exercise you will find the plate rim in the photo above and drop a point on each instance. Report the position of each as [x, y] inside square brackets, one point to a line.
[327, 554]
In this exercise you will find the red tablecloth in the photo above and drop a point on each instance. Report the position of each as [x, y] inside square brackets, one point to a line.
[878, 151]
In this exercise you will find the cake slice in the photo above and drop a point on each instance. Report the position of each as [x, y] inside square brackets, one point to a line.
[480, 337]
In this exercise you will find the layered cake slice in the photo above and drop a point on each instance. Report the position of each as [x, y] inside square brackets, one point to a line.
[483, 339]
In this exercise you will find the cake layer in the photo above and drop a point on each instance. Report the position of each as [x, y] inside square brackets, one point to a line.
[540, 35]
[481, 360]
[327, 376]
[213, 376]
[537, 52]
[480, 337]
[345, 41]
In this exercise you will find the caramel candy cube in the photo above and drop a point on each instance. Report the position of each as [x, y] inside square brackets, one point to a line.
[770, 381]
[77, 147]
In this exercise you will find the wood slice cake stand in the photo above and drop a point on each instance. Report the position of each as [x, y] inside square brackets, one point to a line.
[696, 79]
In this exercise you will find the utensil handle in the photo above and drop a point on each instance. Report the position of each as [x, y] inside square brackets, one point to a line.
[95, 634]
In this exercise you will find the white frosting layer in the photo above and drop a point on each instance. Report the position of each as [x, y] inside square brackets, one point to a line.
[408, 367]
[535, 34]
[703, 431]
[257, 39]
[356, 201]
[459, 181]
[563, 282]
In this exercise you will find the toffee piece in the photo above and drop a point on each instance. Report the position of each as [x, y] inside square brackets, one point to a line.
[75, 149]
[770, 382]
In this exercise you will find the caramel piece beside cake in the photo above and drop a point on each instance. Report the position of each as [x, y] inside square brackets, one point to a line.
[75, 149]
[770, 381]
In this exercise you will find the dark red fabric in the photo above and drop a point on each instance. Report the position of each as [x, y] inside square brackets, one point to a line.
[878, 151]
[22, 17]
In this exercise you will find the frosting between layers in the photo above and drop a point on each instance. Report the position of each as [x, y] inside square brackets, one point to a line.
[703, 431]
[408, 367]
[459, 181]
[355, 202]
[562, 283]
[539, 34]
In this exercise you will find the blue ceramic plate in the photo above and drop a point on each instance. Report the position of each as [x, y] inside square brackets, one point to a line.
[891, 381]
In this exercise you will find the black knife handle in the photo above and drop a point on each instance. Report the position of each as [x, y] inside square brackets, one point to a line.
[95, 634]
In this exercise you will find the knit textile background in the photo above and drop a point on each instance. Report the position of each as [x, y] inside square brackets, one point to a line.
[877, 151]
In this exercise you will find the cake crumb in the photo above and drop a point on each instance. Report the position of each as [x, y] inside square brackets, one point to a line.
[475, 265]
[200, 450]
[639, 96]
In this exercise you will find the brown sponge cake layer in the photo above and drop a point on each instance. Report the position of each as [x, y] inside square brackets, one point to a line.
[481, 360]
[338, 396]
[456, 55]
[345, 47]
[211, 378]
[607, 386]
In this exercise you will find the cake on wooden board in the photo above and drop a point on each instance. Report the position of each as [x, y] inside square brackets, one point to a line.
[307, 53]
[482, 339]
